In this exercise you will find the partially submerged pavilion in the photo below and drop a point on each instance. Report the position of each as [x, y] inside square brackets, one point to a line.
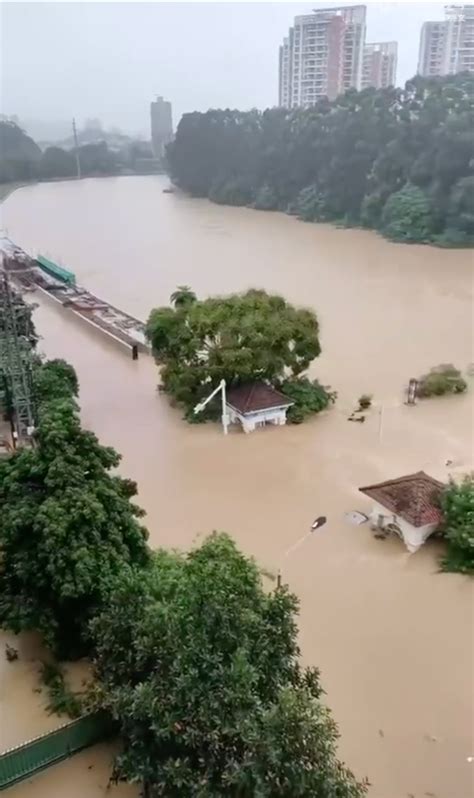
[256, 404]
[409, 506]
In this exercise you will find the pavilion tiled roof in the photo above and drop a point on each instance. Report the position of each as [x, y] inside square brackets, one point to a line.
[256, 396]
[415, 497]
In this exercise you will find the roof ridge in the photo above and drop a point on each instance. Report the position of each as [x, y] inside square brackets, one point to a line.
[250, 395]
[414, 497]
[398, 480]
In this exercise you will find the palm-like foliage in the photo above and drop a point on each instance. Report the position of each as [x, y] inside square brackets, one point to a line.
[183, 296]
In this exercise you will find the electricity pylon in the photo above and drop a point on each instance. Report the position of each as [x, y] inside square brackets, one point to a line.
[16, 364]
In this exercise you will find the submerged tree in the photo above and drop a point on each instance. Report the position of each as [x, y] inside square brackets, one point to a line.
[407, 215]
[67, 525]
[199, 666]
[240, 338]
[441, 380]
[458, 508]
[56, 379]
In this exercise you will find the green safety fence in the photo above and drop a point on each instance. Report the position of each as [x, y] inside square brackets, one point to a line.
[33, 756]
[59, 272]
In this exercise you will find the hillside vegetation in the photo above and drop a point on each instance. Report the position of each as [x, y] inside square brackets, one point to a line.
[19, 154]
[396, 160]
[22, 160]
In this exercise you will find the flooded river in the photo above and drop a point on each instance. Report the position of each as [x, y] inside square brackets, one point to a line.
[392, 636]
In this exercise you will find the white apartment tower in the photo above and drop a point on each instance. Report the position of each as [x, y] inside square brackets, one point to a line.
[448, 47]
[322, 55]
[285, 71]
[380, 65]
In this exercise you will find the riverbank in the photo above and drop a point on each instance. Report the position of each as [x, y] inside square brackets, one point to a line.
[375, 158]
[386, 629]
[440, 241]
[8, 188]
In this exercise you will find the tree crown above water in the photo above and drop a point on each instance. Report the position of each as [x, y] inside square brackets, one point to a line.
[200, 666]
[239, 338]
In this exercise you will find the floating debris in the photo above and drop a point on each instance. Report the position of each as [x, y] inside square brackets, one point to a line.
[11, 653]
[356, 518]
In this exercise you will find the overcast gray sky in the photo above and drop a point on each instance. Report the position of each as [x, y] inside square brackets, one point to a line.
[108, 60]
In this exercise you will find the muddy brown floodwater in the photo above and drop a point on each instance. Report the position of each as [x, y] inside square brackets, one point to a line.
[392, 636]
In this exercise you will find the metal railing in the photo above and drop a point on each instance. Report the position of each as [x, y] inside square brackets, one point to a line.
[31, 757]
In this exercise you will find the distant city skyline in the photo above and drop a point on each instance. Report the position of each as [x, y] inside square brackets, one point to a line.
[108, 61]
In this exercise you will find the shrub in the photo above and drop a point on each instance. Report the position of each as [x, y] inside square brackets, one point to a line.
[55, 379]
[266, 199]
[309, 396]
[234, 191]
[309, 204]
[365, 401]
[62, 700]
[461, 209]
[407, 215]
[440, 380]
[458, 508]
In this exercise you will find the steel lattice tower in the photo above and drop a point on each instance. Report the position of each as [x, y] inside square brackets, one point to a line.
[15, 363]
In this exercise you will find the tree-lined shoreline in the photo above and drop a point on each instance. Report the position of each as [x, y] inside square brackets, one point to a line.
[399, 161]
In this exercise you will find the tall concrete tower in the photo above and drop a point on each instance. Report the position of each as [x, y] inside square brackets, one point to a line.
[161, 126]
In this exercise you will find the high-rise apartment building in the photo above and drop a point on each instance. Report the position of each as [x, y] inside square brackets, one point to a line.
[380, 65]
[161, 126]
[285, 71]
[432, 53]
[448, 47]
[322, 55]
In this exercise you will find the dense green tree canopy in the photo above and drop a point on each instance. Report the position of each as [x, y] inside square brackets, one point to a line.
[56, 162]
[22, 159]
[458, 508]
[56, 379]
[343, 160]
[19, 154]
[240, 338]
[199, 665]
[67, 525]
[407, 215]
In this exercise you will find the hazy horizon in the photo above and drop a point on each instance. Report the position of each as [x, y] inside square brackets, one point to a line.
[109, 60]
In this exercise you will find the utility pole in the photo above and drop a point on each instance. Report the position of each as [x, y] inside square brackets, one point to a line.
[76, 149]
[317, 524]
[201, 405]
